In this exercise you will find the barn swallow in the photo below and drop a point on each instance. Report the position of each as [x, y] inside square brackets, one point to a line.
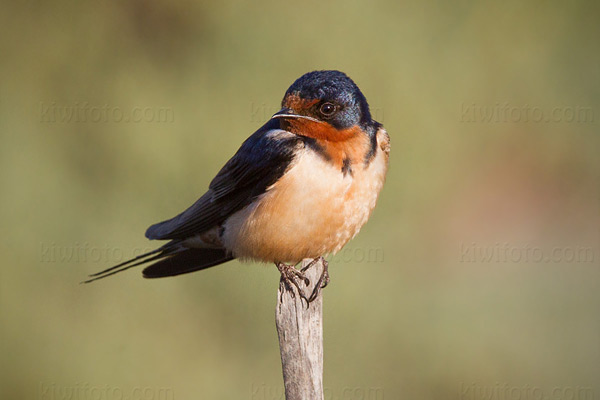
[300, 187]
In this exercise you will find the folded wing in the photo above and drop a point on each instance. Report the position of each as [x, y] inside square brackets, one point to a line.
[261, 160]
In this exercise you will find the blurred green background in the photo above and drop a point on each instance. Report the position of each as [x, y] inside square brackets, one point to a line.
[477, 274]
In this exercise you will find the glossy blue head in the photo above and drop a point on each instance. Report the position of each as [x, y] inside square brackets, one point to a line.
[328, 96]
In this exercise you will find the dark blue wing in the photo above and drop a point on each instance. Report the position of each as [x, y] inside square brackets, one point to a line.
[261, 160]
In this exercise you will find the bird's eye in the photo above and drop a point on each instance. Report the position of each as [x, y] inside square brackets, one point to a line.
[327, 109]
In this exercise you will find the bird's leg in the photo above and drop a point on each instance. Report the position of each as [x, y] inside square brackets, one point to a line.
[291, 276]
[323, 279]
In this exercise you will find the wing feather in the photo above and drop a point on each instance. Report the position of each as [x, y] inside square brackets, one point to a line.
[261, 160]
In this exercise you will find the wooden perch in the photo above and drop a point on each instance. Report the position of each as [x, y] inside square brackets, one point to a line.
[300, 330]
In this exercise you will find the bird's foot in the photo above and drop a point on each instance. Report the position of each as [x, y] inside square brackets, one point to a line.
[291, 276]
[323, 279]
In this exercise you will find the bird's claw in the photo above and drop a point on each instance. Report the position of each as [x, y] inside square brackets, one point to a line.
[291, 276]
[323, 279]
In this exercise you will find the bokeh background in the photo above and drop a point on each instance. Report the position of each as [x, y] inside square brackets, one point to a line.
[477, 275]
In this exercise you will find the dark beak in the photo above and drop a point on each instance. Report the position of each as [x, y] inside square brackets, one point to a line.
[286, 113]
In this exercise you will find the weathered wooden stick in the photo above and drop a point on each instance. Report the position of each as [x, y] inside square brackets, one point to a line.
[300, 330]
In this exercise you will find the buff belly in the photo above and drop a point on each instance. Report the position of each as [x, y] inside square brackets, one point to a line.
[313, 210]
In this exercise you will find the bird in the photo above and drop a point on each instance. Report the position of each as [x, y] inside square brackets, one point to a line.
[300, 187]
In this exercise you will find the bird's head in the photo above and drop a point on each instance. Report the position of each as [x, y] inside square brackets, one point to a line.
[325, 105]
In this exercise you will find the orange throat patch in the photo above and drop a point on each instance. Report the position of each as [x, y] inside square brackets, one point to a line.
[340, 146]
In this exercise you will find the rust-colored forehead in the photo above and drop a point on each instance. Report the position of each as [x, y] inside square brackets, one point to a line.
[295, 102]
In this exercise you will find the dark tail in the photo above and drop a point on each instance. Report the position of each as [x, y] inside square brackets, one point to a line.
[174, 260]
[189, 260]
